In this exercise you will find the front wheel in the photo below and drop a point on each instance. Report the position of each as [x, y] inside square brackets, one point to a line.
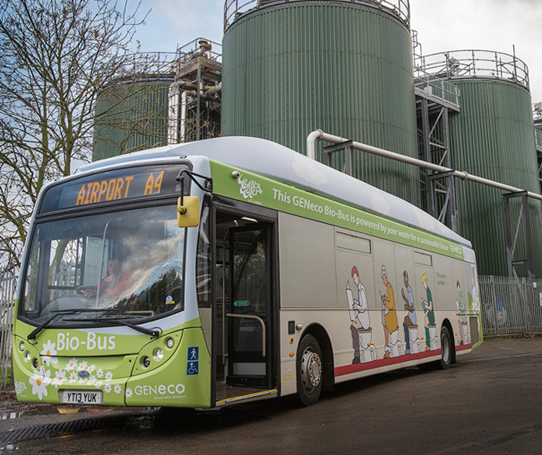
[309, 370]
[447, 349]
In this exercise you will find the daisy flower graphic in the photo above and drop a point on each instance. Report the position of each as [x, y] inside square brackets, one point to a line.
[108, 376]
[73, 377]
[107, 388]
[91, 368]
[118, 388]
[128, 393]
[82, 366]
[60, 377]
[49, 352]
[100, 373]
[98, 384]
[39, 382]
[72, 365]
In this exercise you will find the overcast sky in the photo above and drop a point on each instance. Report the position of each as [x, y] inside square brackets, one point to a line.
[442, 25]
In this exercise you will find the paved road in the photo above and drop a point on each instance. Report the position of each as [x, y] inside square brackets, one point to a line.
[490, 402]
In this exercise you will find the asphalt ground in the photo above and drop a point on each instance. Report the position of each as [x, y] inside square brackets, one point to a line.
[489, 402]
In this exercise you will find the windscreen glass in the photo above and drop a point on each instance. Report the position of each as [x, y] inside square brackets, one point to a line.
[94, 269]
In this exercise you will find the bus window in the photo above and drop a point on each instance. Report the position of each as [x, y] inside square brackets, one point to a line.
[128, 263]
[353, 243]
[423, 259]
[203, 262]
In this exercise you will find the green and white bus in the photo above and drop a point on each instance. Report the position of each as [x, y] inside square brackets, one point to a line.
[227, 270]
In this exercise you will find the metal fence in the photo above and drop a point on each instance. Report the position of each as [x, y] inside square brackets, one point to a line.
[510, 305]
[8, 282]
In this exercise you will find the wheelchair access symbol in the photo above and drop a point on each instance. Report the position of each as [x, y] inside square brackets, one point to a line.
[192, 365]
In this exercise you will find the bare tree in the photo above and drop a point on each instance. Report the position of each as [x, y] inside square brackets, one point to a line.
[56, 57]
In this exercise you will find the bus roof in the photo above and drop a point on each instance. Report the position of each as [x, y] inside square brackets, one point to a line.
[275, 161]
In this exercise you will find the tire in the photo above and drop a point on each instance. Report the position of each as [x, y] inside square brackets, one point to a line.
[446, 345]
[309, 368]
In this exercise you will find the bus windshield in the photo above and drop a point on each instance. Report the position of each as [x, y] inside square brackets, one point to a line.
[91, 270]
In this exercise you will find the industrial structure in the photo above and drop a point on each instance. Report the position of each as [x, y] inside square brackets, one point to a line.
[488, 131]
[195, 96]
[169, 98]
[356, 69]
[537, 115]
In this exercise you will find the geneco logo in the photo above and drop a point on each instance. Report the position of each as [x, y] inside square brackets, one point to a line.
[249, 189]
[158, 391]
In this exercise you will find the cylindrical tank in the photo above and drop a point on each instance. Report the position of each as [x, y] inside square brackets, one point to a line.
[492, 136]
[137, 116]
[133, 110]
[291, 67]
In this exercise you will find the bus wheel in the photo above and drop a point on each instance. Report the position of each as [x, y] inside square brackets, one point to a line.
[446, 347]
[309, 370]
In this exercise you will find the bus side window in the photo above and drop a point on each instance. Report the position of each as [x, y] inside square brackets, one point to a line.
[203, 261]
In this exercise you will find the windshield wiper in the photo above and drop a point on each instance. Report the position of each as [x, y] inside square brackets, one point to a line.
[155, 333]
[118, 320]
[32, 335]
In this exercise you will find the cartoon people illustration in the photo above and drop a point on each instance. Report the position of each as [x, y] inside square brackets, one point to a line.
[429, 311]
[461, 305]
[462, 319]
[410, 322]
[389, 315]
[359, 317]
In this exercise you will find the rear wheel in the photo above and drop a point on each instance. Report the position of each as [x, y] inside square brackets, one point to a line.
[309, 370]
[447, 349]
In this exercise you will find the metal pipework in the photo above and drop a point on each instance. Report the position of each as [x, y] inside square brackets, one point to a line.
[319, 135]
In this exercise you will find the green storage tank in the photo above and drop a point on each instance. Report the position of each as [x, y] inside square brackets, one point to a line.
[493, 137]
[136, 115]
[291, 67]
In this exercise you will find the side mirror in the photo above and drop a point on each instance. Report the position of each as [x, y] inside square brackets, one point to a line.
[188, 213]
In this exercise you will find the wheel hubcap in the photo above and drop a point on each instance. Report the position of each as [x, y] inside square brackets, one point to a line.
[311, 369]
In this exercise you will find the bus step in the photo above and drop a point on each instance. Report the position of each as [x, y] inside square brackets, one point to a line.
[245, 395]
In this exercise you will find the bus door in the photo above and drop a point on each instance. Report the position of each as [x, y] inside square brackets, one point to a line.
[249, 306]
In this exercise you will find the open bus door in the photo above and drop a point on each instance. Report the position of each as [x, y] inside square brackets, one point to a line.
[249, 306]
[246, 311]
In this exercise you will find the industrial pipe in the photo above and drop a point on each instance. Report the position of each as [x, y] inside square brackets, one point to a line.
[319, 135]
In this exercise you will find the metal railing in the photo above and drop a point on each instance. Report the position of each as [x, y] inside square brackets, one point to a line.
[510, 305]
[473, 63]
[234, 9]
[199, 47]
[8, 283]
[441, 89]
[428, 85]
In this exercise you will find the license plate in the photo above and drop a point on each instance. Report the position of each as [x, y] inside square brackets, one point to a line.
[81, 397]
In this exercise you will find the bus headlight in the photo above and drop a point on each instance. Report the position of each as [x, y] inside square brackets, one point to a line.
[27, 356]
[146, 362]
[158, 354]
[170, 342]
[21, 346]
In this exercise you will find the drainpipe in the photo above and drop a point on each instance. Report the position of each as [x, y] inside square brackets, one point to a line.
[319, 135]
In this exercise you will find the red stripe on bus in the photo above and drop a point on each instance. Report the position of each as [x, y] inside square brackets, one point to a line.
[356, 368]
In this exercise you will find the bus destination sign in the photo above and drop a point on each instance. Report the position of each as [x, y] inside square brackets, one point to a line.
[113, 186]
[116, 188]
